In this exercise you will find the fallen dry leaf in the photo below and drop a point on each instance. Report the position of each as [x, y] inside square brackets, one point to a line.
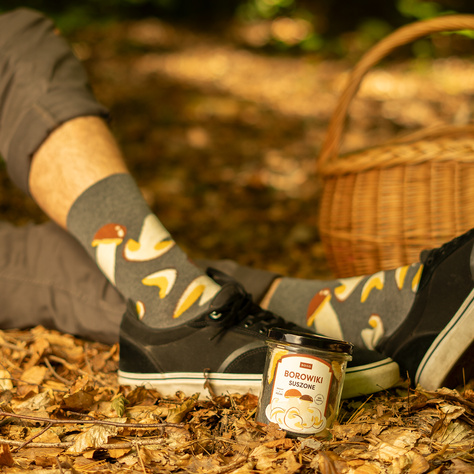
[93, 437]
[6, 458]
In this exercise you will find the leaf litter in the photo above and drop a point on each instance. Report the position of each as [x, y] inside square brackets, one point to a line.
[71, 417]
[61, 408]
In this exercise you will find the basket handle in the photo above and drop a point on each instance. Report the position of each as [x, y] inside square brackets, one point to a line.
[399, 37]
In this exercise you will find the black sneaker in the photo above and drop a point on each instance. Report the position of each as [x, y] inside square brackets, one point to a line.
[434, 345]
[225, 347]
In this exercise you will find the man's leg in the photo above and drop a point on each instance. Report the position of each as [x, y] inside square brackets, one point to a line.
[420, 315]
[361, 309]
[181, 323]
[104, 209]
[78, 177]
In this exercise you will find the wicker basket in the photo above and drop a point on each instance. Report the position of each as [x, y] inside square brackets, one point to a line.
[381, 206]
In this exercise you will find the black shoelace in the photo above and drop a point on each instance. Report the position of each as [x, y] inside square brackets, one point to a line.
[242, 311]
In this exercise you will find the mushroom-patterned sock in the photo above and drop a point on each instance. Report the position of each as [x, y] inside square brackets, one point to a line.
[358, 309]
[137, 254]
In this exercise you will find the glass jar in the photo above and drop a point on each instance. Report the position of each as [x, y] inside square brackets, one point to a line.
[302, 381]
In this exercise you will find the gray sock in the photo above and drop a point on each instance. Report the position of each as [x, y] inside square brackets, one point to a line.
[359, 309]
[136, 253]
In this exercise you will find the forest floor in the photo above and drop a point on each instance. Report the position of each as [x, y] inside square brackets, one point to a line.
[223, 141]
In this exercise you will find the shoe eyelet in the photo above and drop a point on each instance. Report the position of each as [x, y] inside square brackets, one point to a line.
[215, 315]
[249, 322]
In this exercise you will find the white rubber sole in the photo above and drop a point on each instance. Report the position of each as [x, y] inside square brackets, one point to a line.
[190, 383]
[370, 378]
[448, 347]
[359, 381]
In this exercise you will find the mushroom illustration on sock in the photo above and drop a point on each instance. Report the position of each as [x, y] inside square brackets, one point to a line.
[320, 311]
[153, 241]
[371, 336]
[400, 275]
[415, 283]
[321, 314]
[200, 290]
[163, 280]
[106, 240]
[375, 281]
[346, 287]
[372, 303]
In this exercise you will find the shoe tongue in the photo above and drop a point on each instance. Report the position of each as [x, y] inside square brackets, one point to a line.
[228, 293]
[424, 255]
[448, 247]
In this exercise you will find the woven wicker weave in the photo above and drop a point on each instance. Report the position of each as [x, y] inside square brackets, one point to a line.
[381, 206]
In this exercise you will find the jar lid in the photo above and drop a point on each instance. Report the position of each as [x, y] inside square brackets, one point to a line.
[311, 340]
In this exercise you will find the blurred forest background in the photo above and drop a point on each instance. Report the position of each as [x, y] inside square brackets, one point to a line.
[221, 107]
[328, 26]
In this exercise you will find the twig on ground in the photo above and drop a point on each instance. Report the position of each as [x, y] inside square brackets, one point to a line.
[29, 440]
[76, 369]
[68, 444]
[144, 426]
[55, 374]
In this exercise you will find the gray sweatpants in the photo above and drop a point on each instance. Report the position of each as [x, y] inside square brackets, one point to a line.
[42, 85]
[46, 277]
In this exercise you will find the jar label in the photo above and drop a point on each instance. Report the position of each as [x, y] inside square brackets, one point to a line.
[300, 393]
